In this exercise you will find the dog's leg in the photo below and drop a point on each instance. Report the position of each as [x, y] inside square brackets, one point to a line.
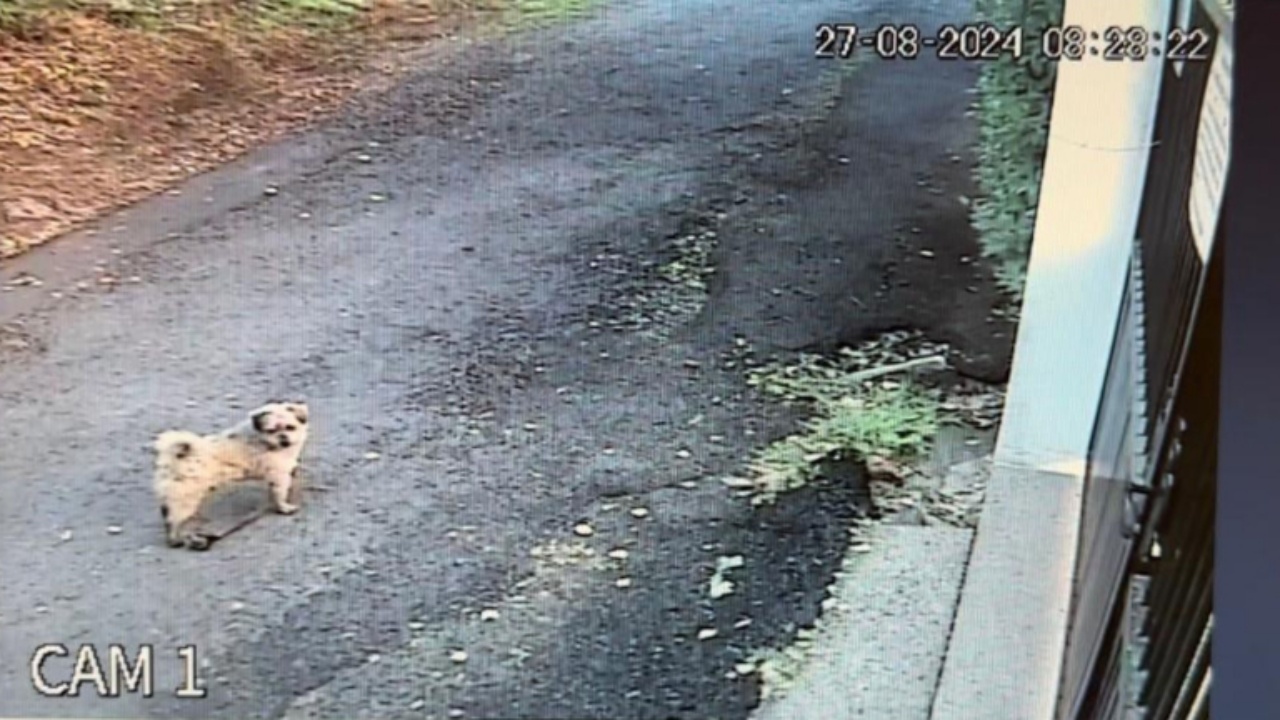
[183, 524]
[193, 536]
[281, 483]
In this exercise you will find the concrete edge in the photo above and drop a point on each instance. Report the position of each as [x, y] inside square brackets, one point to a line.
[1006, 648]
[879, 650]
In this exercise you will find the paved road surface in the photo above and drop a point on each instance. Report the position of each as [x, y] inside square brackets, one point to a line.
[475, 303]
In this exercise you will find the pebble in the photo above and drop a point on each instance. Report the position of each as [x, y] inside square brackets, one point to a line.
[639, 512]
[584, 530]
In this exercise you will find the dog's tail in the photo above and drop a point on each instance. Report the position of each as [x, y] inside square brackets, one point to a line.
[176, 444]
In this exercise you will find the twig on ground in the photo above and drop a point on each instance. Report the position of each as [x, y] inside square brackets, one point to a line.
[934, 362]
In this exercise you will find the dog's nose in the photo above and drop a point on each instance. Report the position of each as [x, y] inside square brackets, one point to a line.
[284, 441]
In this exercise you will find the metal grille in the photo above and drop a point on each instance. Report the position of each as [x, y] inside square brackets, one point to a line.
[1170, 262]
[1176, 551]
[1141, 619]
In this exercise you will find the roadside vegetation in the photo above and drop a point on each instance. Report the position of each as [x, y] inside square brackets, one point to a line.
[106, 102]
[1014, 98]
[866, 404]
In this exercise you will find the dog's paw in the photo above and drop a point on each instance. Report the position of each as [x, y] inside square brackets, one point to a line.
[197, 541]
[287, 508]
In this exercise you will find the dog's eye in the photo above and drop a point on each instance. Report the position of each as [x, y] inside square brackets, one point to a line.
[289, 428]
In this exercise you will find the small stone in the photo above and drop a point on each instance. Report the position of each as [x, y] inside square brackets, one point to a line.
[236, 606]
[639, 512]
[270, 190]
[683, 454]
[66, 535]
[377, 197]
[489, 614]
[583, 530]
[861, 548]
[372, 455]
[618, 554]
[417, 704]
[623, 582]
[926, 253]
[458, 656]
[417, 625]
[707, 633]
[114, 529]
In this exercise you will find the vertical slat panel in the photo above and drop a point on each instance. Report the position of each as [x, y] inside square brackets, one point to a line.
[1151, 661]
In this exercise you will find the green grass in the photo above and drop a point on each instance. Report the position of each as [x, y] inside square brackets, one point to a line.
[309, 13]
[543, 12]
[894, 419]
[1013, 116]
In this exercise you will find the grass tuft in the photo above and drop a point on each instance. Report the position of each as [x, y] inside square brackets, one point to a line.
[543, 12]
[853, 417]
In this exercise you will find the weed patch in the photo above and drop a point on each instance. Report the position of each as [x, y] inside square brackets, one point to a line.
[543, 12]
[862, 407]
[1013, 115]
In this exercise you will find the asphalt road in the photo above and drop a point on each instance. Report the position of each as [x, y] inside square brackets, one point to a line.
[462, 278]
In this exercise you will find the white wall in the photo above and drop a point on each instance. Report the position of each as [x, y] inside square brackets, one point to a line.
[1096, 162]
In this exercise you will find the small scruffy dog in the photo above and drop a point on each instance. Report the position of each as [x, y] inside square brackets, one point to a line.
[190, 467]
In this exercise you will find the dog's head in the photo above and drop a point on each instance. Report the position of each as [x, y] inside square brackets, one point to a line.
[281, 424]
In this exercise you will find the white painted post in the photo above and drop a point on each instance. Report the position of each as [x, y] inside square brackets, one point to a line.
[1095, 166]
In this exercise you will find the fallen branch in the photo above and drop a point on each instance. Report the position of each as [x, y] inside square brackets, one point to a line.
[933, 362]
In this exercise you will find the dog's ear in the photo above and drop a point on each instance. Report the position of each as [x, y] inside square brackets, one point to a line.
[260, 420]
[299, 411]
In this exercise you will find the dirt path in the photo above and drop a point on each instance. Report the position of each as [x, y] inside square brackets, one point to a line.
[463, 278]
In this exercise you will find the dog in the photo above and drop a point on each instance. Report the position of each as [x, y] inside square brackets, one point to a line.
[190, 467]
